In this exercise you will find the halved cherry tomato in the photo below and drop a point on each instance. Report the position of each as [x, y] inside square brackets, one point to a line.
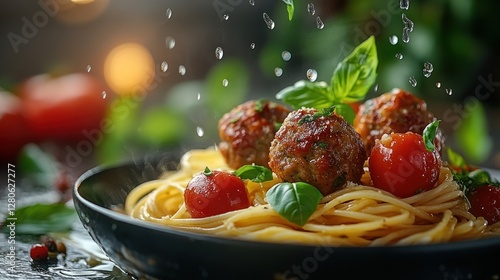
[62, 108]
[215, 192]
[13, 127]
[400, 164]
[485, 202]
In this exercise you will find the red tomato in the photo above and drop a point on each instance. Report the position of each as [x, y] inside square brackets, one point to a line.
[401, 165]
[485, 202]
[62, 108]
[39, 252]
[215, 192]
[13, 127]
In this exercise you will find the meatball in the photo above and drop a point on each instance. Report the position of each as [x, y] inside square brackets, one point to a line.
[247, 130]
[397, 111]
[319, 148]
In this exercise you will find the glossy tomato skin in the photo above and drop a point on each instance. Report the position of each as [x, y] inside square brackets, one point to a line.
[400, 164]
[213, 193]
[485, 202]
[13, 127]
[62, 108]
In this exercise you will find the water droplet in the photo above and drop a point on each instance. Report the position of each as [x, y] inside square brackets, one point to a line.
[286, 55]
[103, 94]
[89, 68]
[449, 91]
[199, 131]
[182, 70]
[170, 42]
[168, 13]
[312, 75]
[225, 17]
[225, 82]
[438, 85]
[278, 71]
[269, 22]
[219, 53]
[251, 2]
[393, 40]
[164, 66]
[252, 46]
[375, 88]
[399, 56]
[413, 81]
[198, 96]
[319, 23]
[404, 4]
[428, 68]
[408, 27]
[311, 9]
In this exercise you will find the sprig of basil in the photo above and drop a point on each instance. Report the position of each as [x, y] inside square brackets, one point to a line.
[429, 135]
[350, 82]
[295, 202]
[255, 173]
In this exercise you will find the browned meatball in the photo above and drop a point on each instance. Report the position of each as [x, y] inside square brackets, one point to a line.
[319, 148]
[247, 130]
[397, 111]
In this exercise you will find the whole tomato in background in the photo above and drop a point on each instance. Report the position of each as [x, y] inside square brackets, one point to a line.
[61, 108]
[14, 132]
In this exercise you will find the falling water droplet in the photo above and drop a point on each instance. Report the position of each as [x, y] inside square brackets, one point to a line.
[319, 23]
[225, 17]
[182, 70]
[225, 82]
[170, 42]
[278, 71]
[286, 55]
[449, 91]
[219, 53]
[399, 56]
[408, 27]
[168, 13]
[89, 68]
[312, 75]
[438, 85]
[199, 131]
[413, 81]
[428, 68]
[198, 96]
[252, 46]
[103, 94]
[375, 88]
[404, 4]
[251, 2]
[164, 66]
[393, 40]
[269, 22]
[311, 9]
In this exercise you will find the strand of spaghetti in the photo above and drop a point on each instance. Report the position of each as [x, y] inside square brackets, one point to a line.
[140, 191]
[431, 235]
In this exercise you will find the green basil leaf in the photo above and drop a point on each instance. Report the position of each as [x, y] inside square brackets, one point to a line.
[290, 8]
[255, 173]
[354, 76]
[346, 111]
[455, 159]
[295, 202]
[307, 94]
[429, 135]
[43, 218]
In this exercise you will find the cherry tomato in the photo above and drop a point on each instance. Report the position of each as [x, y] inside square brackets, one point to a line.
[215, 192]
[39, 252]
[400, 164]
[485, 202]
[13, 126]
[62, 108]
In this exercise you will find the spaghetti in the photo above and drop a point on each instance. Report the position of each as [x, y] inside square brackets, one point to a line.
[358, 215]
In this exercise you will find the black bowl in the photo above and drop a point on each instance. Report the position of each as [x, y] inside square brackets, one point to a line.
[153, 251]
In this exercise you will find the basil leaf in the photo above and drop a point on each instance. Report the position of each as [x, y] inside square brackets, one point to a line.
[354, 76]
[255, 173]
[429, 135]
[295, 202]
[290, 8]
[44, 218]
[455, 159]
[346, 111]
[307, 94]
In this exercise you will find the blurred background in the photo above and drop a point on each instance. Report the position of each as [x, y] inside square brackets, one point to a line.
[98, 82]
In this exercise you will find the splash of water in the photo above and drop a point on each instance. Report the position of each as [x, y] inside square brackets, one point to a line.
[428, 68]
[269, 22]
[407, 28]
